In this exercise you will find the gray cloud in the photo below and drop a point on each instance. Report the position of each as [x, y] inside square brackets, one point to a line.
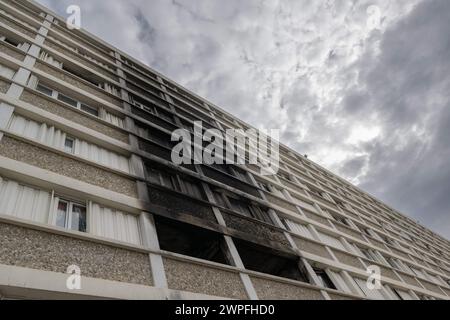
[371, 105]
[407, 88]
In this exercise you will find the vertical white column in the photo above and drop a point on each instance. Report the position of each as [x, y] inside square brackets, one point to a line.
[231, 247]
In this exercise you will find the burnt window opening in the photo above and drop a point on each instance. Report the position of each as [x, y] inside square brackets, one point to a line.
[154, 135]
[259, 259]
[144, 85]
[241, 174]
[151, 108]
[249, 210]
[189, 240]
[181, 183]
[324, 279]
[224, 175]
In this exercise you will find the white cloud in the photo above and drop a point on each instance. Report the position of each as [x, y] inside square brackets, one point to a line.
[306, 67]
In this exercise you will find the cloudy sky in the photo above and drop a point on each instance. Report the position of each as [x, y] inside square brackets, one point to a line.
[362, 87]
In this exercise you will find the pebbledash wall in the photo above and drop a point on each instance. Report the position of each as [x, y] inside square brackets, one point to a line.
[86, 180]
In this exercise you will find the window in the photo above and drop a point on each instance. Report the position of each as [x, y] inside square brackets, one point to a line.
[11, 41]
[85, 75]
[264, 186]
[284, 176]
[325, 281]
[189, 240]
[261, 259]
[69, 145]
[403, 295]
[44, 90]
[249, 210]
[241, 207]
[241, 175]
[89, 109]
[299, 229]
[174, 182]
[332, 241]
[341, 220]
[71, 216]
[219, 199]
[193, 189]
[418, 272]
[395, 263]
[369, 254]
[66, 99]
[370, 293]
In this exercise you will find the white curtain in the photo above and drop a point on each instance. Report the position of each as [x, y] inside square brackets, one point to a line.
[339, 281]
[332, 241]
[372, 294]
[24, 202]
[113, 224]
[41, 132]
[299, 229]
[6, 72]
[53, 137]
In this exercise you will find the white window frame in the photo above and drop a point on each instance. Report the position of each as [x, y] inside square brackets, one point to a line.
[66, 148]
[55, 94]
[69, 214]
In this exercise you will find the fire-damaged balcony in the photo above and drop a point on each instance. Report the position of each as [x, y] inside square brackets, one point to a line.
[269, 261]
[175, 194]
[175, 204]
[154, 118]
[223, 174]
[189, 240]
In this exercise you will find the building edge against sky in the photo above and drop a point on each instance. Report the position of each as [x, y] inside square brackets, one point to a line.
[87, 185]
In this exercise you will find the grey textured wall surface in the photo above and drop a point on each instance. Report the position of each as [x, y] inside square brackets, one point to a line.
[4, 86]
[39, 157]
[201, 279]
[387, 272]
[11, 52]
[317, 218]
[350, 232]
[45, 251]
[431, 286]
[348, 259]
[17, 27]
[312, 247]
[272, 290]
[279, 202]
[410, 280]
[72, 115]
[377, 243]
[335, 296]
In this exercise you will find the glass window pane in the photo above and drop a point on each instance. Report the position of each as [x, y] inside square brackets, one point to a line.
[167, 180]
[153, 175]
[89, 109]
[78, 218]
[69, 144]
[61, 215]
[67, 100]
[44, 90]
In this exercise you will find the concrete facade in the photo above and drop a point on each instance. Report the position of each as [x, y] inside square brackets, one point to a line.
[314, 237]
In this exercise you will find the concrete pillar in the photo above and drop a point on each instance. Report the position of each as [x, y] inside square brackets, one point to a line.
[231, 247]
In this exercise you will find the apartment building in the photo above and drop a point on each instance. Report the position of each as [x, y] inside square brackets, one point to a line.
[87, 182]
